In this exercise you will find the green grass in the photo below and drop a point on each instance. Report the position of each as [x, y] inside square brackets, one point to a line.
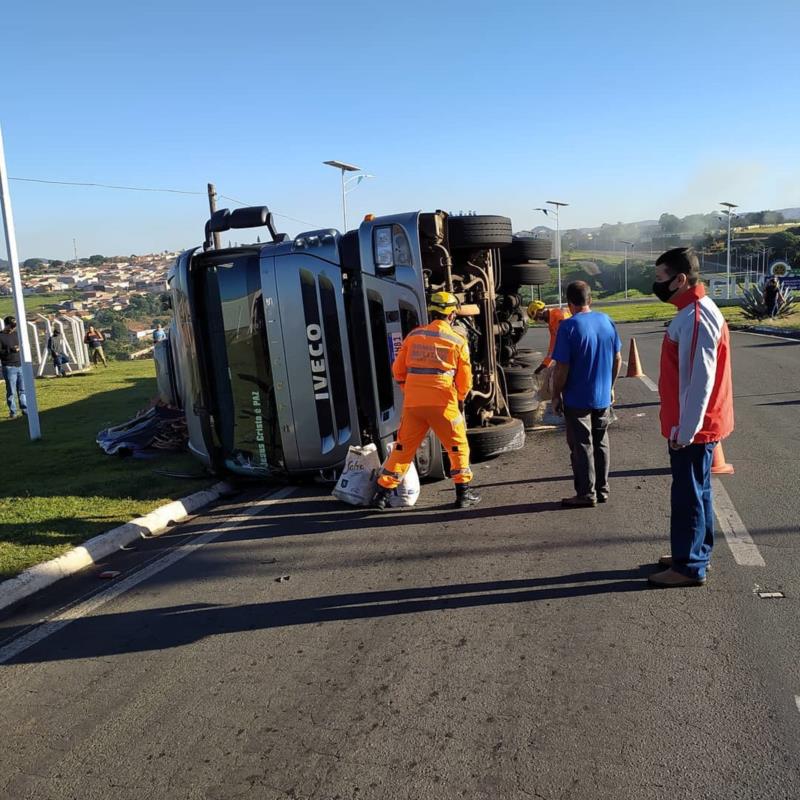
[62, 490]
[633, 294]
[636, 312]
[646, 312]
[598, 255]
[35, 303]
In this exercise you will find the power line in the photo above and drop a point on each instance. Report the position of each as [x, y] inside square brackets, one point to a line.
[284, 216]
[149, 189]
[105, 186]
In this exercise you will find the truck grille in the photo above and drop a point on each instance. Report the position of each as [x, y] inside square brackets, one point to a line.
[327, 361]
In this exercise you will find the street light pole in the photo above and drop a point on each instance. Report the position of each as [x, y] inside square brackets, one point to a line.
[28, 379]
[626, 245]
[557, 205]
[730, 207]
[341, 165]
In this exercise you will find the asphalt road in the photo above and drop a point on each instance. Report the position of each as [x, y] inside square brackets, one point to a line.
[510, 651]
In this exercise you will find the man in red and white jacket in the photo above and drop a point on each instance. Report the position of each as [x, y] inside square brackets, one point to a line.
[696, 412]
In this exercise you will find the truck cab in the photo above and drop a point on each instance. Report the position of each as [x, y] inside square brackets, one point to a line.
[280, 354]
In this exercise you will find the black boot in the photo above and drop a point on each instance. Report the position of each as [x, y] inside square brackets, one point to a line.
[380, 499]
[465, 497]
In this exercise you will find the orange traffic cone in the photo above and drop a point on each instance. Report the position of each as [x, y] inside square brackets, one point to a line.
[634, 364]
[719, 466]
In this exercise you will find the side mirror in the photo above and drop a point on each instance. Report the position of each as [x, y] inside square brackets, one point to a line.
[250, 217]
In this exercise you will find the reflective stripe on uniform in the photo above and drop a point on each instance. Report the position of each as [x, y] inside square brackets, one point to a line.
[390, 474]
[455, 339]
[465, 471]
[430, 371]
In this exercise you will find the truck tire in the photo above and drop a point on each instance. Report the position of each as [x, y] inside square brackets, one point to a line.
[501, 435]
[519, 402]
[519, 378]
[430, 460]
[529, 357]
[526, 248]
[479, 233]
[532, 273]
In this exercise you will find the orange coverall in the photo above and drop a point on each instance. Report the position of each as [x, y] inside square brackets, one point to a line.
[554, 318]
[434, 370]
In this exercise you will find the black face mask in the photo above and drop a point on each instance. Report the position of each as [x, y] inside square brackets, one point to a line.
[662, 291]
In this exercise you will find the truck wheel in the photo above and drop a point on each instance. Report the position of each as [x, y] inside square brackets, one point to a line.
[526, 248]
[528, 357]
[479, 233]
[430, 460]
[531, 274]
[519, 378]
[522, 401]
[501, 435]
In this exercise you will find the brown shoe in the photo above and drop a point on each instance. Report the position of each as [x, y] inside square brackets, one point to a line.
[578, 502]
[666, 561]
[669, 579]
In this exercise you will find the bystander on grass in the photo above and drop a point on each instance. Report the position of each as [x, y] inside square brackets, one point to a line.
[62, 490]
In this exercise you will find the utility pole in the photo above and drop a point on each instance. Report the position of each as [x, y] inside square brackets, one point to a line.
[19, 301]
[730, 207]
[626, 245]
[75, 251]
[212, 207]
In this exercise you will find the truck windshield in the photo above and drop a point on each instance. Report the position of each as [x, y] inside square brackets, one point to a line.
[237, 363]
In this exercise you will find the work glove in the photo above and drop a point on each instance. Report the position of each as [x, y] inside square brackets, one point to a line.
[539, 369]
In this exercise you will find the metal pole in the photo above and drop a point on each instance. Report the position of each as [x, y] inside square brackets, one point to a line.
[626, 272]
[558, 251]
[729, 254]
[212, 207]
[344, 205]
[19, 301]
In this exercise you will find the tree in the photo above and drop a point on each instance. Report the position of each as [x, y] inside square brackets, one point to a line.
[785, 245]
[33, 263]
[669, 223]
[95, 260]
[56, 264]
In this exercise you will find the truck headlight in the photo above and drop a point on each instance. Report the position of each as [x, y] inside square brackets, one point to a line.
[382, 245]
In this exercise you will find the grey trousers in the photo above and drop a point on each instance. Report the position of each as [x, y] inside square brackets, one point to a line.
[587, 437]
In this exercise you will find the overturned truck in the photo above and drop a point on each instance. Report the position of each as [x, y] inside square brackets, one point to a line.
[280, 354]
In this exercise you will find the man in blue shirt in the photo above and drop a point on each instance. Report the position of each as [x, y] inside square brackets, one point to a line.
[587, 356]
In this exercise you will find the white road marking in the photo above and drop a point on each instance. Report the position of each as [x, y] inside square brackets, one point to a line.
[745, 552]
[50, 625]
[797, 701]
[767, 335]
[648, 383]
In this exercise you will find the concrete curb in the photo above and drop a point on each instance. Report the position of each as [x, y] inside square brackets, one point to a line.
[766, 330]
[40, 576]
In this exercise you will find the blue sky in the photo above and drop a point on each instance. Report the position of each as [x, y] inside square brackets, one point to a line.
[622, 109]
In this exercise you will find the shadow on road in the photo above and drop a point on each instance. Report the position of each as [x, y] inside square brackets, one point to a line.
[774, 344]
[163, 628]
[620, 473]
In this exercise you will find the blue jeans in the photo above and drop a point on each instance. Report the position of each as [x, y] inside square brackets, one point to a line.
[13, 378]
[692, 524]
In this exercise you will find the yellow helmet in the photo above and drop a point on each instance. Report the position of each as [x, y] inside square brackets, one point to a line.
[443, 302]
[535, 307]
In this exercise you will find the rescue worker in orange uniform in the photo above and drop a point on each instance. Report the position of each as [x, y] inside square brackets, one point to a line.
[538, 312]
[434, 370]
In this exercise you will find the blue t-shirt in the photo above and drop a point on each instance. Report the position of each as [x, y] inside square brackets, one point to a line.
[587, 342]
